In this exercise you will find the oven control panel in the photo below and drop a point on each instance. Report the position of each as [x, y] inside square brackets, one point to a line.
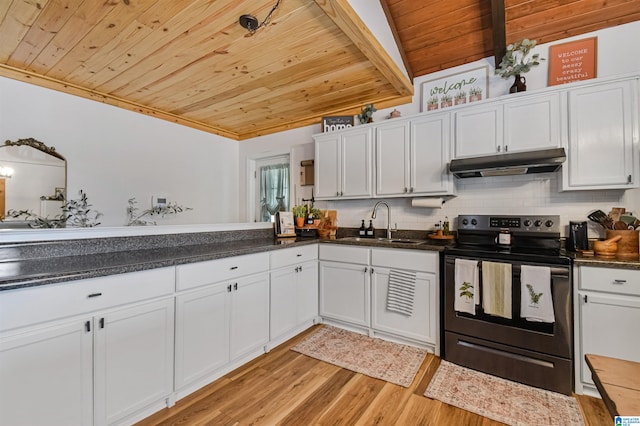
[538, 223]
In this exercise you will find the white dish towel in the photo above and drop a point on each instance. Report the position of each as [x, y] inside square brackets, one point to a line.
[467, 294]
[402, 292]
[535, 294]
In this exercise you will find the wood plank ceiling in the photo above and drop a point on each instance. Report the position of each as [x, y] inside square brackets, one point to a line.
[440, 34]
[188, 61]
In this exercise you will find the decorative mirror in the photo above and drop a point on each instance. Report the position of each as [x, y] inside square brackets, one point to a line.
[33, 177]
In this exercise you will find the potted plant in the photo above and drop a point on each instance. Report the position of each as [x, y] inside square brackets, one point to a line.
[460, 98]
[432, 103]
[515, 62]
[300, 213]
[446, 101]
[475, 94]
[317, 215]
[366, 114]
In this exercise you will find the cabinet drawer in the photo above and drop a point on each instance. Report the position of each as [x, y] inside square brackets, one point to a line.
[34, 305]
[348, 254]
[414, 260]
[213, 271]
[294, 255]
[611, 280]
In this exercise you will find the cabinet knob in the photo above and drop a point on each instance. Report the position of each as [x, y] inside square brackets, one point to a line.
[371, 271]
[229, 288]
[584, 298]
[499, 147]
[405, 190]
[94, 295]
[506, 148]
[101, 322]
[629, 179]
[337, 194]
[366, 269]
[410, 189]
[235, 286]
[87, 326]
[619, 281]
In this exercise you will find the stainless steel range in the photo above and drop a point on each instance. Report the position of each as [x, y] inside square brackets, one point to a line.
[490, 327]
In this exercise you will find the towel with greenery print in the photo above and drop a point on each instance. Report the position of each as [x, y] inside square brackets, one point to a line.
[466, 290]
[535, 297]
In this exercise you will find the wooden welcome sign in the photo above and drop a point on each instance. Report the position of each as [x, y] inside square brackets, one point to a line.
[573, 61]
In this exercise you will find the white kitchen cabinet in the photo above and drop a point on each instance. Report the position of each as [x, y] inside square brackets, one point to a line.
[92, 351]
[202, 333]
[46, 375]
[607, 314]
[343, 164]
[345, 284]
[528, 122]
[294, 291]
[222, 315]
[412, 157]
[249, 321]
[354, 283]
[133, 359]
[603, 137]
[478, 130]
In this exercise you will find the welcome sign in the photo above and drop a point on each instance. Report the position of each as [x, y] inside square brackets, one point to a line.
[455, 89]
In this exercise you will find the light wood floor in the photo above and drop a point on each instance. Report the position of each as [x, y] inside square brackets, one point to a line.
[286, 388]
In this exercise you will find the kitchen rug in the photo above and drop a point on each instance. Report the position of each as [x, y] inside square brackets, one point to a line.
[502, 400]
[377, 358]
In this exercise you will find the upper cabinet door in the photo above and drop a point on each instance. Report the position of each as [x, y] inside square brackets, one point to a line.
[478, 131]
[430, 154]
[327, 165]
[356, 164]
[603, 137]
[532, 123]
[392, 158]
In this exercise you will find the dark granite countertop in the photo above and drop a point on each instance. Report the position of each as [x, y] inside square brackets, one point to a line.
[40, 263]
[581, 260]
[18, 273]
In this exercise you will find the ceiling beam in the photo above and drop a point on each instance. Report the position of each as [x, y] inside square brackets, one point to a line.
[499, 30]
[343, 15]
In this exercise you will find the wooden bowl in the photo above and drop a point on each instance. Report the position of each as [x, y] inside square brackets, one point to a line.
[605, 248]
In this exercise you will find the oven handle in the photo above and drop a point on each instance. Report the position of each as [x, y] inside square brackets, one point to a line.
[556, 272]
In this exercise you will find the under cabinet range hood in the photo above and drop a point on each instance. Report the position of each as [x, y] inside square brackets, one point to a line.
[517, 163]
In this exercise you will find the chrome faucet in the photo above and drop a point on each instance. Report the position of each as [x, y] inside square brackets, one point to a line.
[373, 216]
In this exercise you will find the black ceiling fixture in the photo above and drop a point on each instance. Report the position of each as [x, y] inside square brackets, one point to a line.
[250, 22]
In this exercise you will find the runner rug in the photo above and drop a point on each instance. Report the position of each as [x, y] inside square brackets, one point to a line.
[502, 400]
[392, 362]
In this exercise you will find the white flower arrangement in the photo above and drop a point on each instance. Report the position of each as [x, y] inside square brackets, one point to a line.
[515, 61]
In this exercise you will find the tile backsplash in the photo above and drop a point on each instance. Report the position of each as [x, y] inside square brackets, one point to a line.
[517, 195]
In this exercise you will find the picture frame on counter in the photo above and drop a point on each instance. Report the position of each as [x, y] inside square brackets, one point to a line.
[338, 122]
[573, 61]
[455, 89]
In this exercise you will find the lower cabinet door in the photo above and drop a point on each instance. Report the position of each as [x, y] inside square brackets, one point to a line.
[307, 292]
[344, 292]
[133, 359]
[608, 327]
[202, 333]
[420, 324]
[283, 303]
[249, 314]
[46, 376]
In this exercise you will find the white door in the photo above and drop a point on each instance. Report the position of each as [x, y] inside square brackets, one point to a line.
[421, 323]
[478, 131]
[133, 359]
[608, 327]
[356, 164]
[392, 158]
[307, 292]
[202, 333]
[249, 314]
[327, 166]
[283, 303]
[430, 154]
[344, 292]
[46, 376]
[602, 124]
[532, 123]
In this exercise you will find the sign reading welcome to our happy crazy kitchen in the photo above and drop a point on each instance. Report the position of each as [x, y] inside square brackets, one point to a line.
[573, 61]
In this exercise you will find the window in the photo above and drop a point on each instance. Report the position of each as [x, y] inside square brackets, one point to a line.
[272, 175]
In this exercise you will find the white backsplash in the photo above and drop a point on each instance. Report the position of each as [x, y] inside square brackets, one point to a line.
[508, 195]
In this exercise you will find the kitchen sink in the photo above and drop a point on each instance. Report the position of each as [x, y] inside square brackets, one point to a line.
[385, 240]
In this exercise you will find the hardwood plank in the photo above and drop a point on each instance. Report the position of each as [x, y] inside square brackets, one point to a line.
[287, 388]
[16, 23]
